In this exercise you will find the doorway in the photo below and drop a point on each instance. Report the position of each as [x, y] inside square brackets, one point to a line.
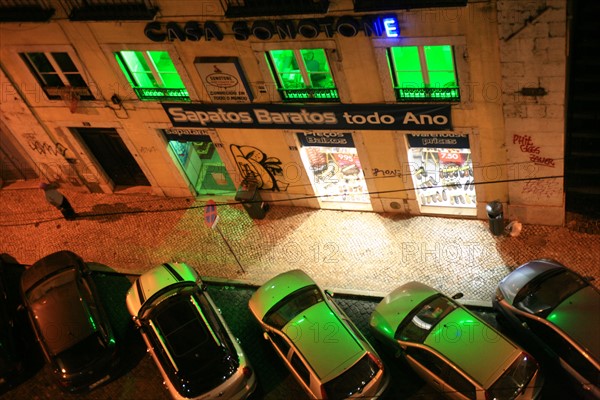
[111, 153]
[202, 166]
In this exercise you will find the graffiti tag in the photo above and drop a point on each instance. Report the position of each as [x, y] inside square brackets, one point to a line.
[254, 165]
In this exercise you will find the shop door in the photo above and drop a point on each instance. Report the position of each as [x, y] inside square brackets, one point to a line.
[442, 172]
[334, 168]
[203, 167]
[112, 154]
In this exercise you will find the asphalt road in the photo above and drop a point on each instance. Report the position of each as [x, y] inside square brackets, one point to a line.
[140, 379]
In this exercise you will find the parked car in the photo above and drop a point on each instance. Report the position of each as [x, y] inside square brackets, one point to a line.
[190, 342]
[452, 349]
[560, 310]
[11, 350]
[319, 344]
[69, 321]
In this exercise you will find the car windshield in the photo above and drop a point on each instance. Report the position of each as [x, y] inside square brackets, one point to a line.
[203, 354]
[292, 305]
[417, 326]
[353, 380]
[62, 278]
[515, 379]
[540, 297]
[77, 357]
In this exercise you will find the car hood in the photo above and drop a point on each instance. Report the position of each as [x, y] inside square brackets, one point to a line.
[48, 265]
[579, 318]
[514, 282]
[274, 290]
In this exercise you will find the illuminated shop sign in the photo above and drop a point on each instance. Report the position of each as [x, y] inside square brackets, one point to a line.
[284, 116]
[187, 134]
[310, 28]
[439, 140]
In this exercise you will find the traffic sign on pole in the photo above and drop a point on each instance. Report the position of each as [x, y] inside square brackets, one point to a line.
[210, 214]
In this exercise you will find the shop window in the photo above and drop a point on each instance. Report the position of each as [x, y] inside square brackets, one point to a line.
[152, 75]
[302, 75]
[56, 72]
[442, 172]
[423, 73]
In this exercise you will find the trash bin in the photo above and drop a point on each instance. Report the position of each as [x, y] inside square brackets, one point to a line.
[495, 217]
[248, 195]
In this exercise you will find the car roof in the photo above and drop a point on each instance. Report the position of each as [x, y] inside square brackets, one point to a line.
[324, 341]
[275, 289]
[463, 338]
[155, 281]
[62, 317]
[49, 265]
[511, 284]
[579, 317]
[396, 306]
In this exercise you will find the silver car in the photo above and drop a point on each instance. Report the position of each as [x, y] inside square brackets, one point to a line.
[560, 310]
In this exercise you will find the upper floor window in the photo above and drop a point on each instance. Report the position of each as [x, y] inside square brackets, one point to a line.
[56, 72]
[423, 73]
[302, 74]
[152, 75]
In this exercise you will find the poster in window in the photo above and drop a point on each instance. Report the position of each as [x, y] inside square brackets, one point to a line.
[223, 79]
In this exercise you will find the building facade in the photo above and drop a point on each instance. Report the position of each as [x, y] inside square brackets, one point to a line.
[424, 108]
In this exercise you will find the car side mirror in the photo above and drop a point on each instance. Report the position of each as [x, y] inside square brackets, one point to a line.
[589, 278]
[328, 292]
[457, 296]
[266, 336]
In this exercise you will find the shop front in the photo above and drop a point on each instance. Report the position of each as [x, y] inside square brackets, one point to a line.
[332, 164]
[194, 151]
[442, 173]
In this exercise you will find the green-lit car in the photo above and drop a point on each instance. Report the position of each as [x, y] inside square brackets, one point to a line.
[452, 349]
[322, 348]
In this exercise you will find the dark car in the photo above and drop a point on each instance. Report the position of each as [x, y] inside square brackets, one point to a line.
[69, 321]
[559, 310]
[11, 349]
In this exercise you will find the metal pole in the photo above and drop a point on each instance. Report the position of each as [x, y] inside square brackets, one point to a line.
[230, 249]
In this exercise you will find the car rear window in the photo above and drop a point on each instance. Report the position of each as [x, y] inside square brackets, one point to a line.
[81, 354]
[540, 297]
[416, 327]
[197, 343]
[292, 305]
[515, 379]
[352, 380]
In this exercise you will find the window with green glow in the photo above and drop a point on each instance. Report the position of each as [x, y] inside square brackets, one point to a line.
[302, 74]
[424, 73]
[152, 75]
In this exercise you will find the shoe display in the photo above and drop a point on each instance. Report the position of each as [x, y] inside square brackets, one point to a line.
[444, 195]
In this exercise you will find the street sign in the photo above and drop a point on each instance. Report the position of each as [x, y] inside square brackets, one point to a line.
[210, 214]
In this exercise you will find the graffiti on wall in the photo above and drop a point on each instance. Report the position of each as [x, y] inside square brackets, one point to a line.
[255, 165]
[526, 145]
[543, 188]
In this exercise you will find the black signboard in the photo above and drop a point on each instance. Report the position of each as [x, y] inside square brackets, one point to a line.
[413, 117]
[326, 139]
[439, 140]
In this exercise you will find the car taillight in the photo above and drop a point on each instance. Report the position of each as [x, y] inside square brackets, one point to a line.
[247, 371]
[376, 360]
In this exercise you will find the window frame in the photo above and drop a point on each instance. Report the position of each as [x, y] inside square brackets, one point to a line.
[123, 89]
[461, 70]
[306, 75]
[268, 89]
[138, 88]
[90, 92]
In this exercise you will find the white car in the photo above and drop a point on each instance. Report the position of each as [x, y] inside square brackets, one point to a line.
[320, 345]
[196, 353]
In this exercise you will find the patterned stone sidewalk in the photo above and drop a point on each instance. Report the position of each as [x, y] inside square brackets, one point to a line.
[352, 251]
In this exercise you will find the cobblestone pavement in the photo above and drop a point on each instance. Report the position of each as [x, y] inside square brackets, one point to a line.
[353, 251]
